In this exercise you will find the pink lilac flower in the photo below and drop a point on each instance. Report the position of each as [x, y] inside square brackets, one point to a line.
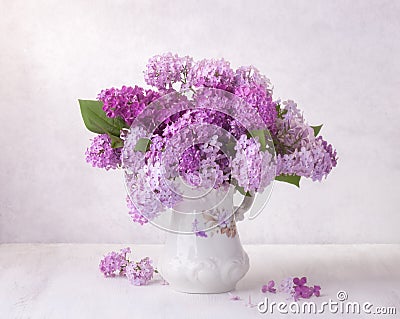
[249, 75]
[148, 189]
[258, 97]
[190, 159]
[162, 71]
[114, 263]
[210, 168]
[101, 154]
[137, 217]
[315, 160]
[132, 159]
[211, 73]
[203, 164]
[140, 273]
[299, 152]
[252, 168]
[269, 287]
[127, 102]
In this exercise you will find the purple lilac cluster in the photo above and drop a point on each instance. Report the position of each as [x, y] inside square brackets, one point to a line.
[295, 287]
[116, 263]
[252, 168]
[149, 190]
[211, 73]
[163, 71]
[127, 102]
[299, 152]
[261, 99]
[141, 272]
[249, 76]
[137, 217]
[101, 154]
[205, 165]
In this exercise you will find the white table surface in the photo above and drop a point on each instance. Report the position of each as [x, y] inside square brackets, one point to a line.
[63, 281]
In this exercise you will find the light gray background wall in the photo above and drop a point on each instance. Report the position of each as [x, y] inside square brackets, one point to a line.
[338, 59]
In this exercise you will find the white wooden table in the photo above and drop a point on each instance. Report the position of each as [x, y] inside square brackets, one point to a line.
[63, 281]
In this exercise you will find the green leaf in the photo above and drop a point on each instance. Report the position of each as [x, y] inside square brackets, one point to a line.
[291, 179]
[96, 120]
[240, 189]
[280, 112]
[261, 138]
[142, 145]
[116, 142]
[317, 129]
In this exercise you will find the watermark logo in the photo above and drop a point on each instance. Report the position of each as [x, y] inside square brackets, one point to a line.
[339, 306]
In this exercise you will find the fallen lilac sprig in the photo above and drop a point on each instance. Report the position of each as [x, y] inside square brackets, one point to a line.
[140, 273]
[116, 263]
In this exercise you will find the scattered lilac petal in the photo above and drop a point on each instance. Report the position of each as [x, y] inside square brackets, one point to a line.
[233, 297]
[300, 282]
[269, 287]
[316, 290]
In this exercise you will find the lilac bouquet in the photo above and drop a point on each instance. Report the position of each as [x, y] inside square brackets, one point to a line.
[266, 139]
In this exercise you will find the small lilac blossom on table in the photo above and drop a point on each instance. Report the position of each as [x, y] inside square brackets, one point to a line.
[140, 273]
[114, 263]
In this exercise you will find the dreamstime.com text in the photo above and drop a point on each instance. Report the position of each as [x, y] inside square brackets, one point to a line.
[339, 306]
